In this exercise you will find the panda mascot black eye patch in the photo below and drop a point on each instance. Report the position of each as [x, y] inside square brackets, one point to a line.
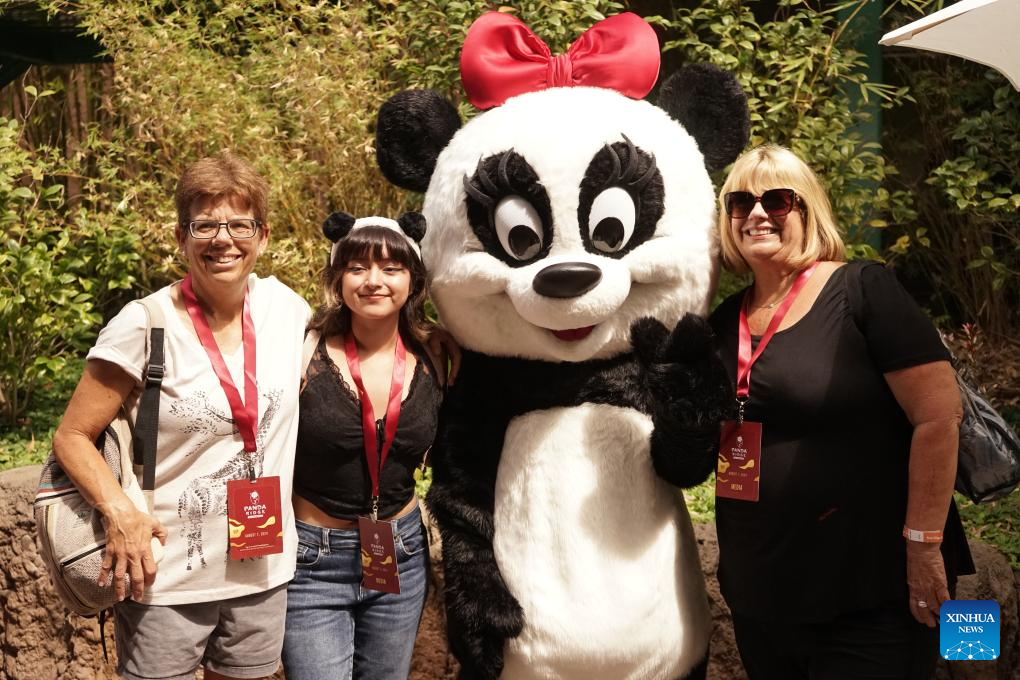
[509, 209]
[620, 199]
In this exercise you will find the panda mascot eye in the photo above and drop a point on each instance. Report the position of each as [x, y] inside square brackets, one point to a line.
[621, 199]
[611, 221]
[518, 227]
[509, 209]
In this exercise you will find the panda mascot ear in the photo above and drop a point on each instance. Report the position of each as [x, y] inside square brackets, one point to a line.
[413, 224]
[413, 126]
[710, 105]
[337, 226]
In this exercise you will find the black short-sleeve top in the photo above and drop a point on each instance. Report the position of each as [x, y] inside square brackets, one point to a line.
[826, 535]
[330, 468]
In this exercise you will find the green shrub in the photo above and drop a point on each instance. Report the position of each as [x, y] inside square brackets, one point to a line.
[965, 153]
[56, 265]
[806, 88]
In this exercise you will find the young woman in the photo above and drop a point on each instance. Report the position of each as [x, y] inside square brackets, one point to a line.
[368, 416]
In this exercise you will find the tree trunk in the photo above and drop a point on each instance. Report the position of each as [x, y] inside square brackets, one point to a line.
[72, 132]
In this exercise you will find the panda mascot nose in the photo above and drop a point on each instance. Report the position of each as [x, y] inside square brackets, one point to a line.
[567, 279]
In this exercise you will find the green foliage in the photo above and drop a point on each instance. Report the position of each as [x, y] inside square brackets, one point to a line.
[293, 88]
[966, 152]
[28, 443]
[996, 523]
[55, 266]
[422, 481]
[807, 89]
[701, 500]
[428, 35]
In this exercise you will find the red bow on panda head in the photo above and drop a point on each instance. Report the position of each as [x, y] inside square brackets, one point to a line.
[502, 58]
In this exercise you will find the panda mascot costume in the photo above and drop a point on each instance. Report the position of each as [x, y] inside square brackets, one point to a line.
[571, 250]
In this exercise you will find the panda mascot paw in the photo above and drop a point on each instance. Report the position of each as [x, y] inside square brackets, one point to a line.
[478, 631]
[690, 395]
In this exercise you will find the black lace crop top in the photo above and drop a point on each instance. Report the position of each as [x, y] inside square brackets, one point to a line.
[330, 469]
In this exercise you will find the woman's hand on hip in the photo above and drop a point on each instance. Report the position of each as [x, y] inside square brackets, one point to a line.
[926, 580]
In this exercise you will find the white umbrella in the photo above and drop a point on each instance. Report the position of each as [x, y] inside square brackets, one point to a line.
[985, 31]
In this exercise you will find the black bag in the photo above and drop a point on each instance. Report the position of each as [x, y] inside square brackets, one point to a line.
[989, 467]
[989, 453]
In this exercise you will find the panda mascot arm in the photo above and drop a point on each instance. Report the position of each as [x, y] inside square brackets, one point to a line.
[690, 395]
[481, 612]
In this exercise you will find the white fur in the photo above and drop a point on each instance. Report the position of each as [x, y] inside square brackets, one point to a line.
[491, 307]
[595, 546]
[598, 550]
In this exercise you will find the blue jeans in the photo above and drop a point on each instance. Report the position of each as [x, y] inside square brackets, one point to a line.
[338, 630]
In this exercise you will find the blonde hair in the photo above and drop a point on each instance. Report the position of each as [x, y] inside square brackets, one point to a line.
[221, 176]
[771, 166]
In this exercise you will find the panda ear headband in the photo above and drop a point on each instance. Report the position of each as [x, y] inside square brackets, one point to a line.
[410, 225]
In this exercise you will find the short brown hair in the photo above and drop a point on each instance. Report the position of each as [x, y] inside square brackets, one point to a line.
[771, 166]
[220, 176]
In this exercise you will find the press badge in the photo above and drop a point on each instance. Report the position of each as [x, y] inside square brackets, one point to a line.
[378, 556]
[254, 519]
[739, 471]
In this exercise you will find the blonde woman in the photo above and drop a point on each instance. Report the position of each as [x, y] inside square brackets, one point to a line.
[830, 553]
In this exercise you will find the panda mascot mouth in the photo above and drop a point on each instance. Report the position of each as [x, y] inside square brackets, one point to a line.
[573, 334]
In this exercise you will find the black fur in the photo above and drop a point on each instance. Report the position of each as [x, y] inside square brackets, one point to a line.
[413, 224]
[496, 177]
[337, 225]
[412, 128]
[710, 105]
[674, 377]
[634, 170]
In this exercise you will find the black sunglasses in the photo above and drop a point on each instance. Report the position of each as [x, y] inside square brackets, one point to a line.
[775, 202]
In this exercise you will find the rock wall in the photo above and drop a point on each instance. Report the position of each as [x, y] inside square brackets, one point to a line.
[40, 640]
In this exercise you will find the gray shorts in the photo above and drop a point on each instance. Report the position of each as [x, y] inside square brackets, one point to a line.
[240, 638]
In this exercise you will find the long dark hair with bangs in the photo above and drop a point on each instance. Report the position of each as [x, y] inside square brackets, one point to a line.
[371, 243]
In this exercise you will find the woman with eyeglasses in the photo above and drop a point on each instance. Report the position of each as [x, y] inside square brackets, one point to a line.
[835, 479]
[226, 436]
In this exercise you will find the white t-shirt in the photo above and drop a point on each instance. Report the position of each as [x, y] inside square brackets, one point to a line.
[199, 447]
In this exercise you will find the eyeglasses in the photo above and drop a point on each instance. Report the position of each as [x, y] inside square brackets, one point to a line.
[237, 228]
[775, 202]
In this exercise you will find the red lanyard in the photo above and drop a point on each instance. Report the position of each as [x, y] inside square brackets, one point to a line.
[246, 415]
[375, 451]
[745, 359]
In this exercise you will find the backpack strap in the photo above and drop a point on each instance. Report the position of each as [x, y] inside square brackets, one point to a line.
[307, 351]
[146, 428]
